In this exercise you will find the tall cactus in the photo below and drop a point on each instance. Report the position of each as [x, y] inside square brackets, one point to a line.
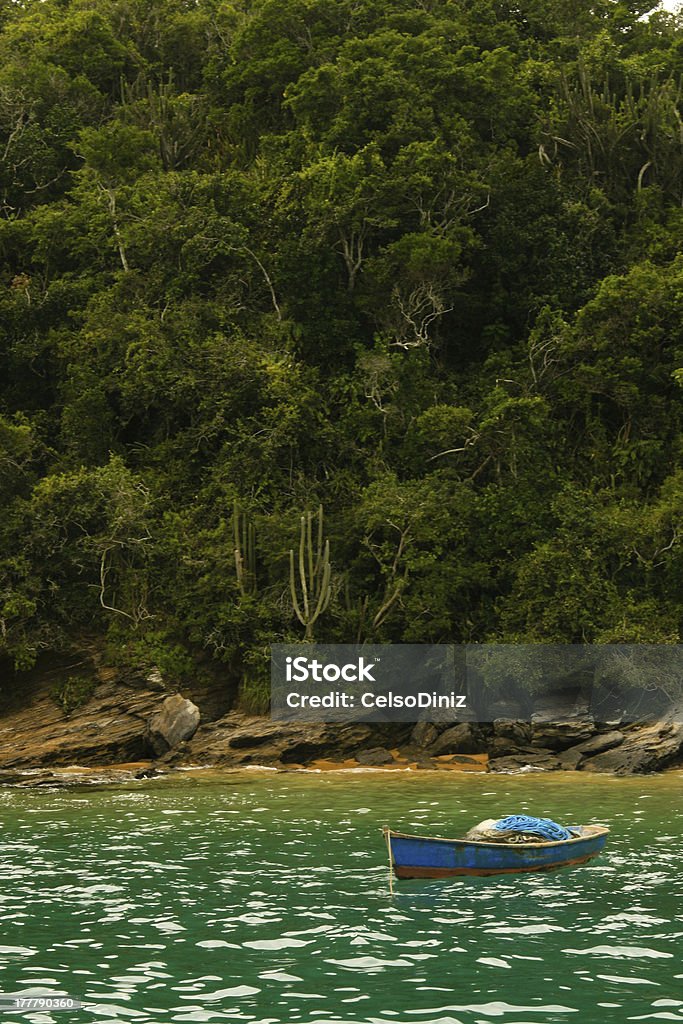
[245, 556]
[312, 573]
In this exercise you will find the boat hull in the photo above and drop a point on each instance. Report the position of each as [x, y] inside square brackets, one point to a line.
[424, 857]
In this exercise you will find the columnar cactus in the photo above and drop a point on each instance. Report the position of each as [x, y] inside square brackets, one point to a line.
[310, 573]
[245, 555]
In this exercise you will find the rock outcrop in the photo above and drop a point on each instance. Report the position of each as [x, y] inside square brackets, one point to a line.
[77, 775]
[128, 717]
[110, 728]
[526, 759]
[237, 739]
[424, 734]
[374, 757]
[644, 748]
[175, 721]
[598, 744]
[514, 730]
[559, 728]
[463, 738]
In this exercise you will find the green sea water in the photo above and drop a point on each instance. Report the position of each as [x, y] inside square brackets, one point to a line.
[263, 897]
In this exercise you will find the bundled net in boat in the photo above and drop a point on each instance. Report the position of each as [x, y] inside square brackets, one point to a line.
[518, 828]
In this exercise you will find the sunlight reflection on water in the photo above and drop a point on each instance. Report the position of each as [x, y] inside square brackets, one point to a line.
[263, 898]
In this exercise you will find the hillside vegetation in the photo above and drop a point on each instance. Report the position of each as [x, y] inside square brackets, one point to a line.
[415, 265]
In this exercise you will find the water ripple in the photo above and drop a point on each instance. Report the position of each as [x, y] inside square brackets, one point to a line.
[263, 898]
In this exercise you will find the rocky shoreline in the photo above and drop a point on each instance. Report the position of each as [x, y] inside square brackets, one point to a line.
[140, 727]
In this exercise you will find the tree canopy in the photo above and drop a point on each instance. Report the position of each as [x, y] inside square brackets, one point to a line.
[417, 265]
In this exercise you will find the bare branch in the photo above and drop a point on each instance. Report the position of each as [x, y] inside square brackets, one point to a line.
[455, 451]
[103, 582]
[267, 278]
[419, 309]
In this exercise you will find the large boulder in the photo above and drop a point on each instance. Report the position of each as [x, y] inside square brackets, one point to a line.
[176, 721]
[569, 760]
[463, 738]
[500, 746]
[374, 756]
[424, 734]
[509, 734]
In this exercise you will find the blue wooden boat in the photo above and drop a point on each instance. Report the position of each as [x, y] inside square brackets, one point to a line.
[427, 857]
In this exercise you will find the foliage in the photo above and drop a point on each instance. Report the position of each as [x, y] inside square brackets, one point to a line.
[73, 693]
[415, 264]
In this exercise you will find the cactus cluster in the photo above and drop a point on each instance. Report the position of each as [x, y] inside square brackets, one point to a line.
[310, 573]
[309, 569]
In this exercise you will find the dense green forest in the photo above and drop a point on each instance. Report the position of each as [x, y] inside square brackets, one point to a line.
[413, 264]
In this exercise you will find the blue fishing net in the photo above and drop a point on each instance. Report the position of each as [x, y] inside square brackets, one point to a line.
[543, 827]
